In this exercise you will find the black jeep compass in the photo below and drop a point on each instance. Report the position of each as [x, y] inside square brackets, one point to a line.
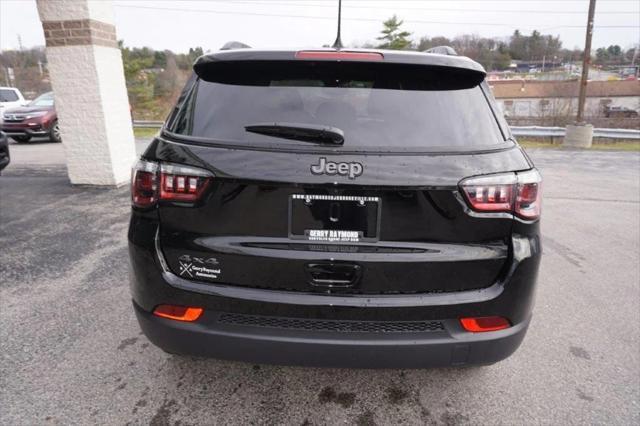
[336, 208]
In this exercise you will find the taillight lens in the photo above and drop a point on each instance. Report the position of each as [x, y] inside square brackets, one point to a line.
[529, 196]
[517, 193]
[144, 184]
[183, 183]
[151, 182]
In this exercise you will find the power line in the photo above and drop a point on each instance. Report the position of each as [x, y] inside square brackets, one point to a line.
[301, 3]
[448, 1]
[414, 21]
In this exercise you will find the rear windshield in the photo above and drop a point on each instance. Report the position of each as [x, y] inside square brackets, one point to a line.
[377, 108]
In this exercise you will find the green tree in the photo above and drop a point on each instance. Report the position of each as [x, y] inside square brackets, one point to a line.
[534, 47]
[392, 37]
[427, 43]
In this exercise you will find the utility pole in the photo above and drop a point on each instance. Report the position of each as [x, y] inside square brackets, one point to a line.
[580, 134]
[586, 61]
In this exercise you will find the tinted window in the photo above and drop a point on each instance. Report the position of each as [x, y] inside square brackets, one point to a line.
[7, 95]
[375, 110]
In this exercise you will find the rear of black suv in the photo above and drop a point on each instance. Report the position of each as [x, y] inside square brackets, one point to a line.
[335, 208]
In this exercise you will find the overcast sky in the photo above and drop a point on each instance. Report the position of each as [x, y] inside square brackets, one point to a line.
[178, 25]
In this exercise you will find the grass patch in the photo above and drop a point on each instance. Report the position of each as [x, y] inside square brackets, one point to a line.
[531, 143]
[617, 146]
[629, 145]
[144, 132]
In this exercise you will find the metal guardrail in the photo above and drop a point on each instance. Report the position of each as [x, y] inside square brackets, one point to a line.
[533, 131]
[537, 131]
[148, 124]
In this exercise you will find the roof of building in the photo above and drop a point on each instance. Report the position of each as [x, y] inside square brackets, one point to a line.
[514, 89]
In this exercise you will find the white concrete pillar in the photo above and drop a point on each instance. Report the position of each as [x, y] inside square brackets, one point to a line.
[87, 77]
[578, 135]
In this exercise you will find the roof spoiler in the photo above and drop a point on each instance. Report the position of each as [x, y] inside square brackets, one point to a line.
[231, 45]
[442, 50]
[227, 64]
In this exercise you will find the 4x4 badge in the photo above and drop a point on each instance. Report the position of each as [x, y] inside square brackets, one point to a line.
[352, 170]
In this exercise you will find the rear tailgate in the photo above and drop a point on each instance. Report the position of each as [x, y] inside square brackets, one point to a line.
[379, 214]
[413, 234]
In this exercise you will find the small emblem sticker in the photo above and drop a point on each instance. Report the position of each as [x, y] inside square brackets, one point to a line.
[198, 267]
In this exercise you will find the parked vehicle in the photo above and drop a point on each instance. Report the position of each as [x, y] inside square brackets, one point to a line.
[38, 118]
[336, 208]
[620, 112]
[5, 158]
[10, 97]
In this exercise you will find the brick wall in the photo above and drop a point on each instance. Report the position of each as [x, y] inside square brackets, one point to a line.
[79, 32]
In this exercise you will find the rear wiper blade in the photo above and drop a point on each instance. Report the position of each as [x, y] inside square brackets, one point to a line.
[299, 132]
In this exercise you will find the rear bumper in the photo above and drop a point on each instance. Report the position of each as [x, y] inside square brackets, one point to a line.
[447, 346]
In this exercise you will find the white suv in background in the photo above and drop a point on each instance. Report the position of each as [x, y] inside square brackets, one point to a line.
[10, 97]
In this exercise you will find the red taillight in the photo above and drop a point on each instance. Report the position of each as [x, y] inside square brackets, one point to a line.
[519, 193]
[480, 324]
[339, 55]
[528, 200]
[151, 183]
[178, 313]
[182, 187]
[144, 184]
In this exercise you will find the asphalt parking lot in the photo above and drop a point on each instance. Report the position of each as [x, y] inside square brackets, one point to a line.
[72, 352]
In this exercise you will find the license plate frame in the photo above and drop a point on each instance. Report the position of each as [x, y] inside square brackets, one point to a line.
[369, 219]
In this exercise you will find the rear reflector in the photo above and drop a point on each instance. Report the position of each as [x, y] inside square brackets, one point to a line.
[178, 313]
[480, 324]
[517, 193]
[339, 55]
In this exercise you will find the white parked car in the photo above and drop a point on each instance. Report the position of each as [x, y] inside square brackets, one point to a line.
[10, 97]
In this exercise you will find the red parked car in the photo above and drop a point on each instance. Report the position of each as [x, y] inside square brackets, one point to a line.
[37, 119]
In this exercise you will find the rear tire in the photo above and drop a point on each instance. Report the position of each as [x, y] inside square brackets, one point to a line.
[54, 133]
[21, 139]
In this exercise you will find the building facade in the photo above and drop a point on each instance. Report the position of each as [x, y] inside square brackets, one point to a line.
[539, 99]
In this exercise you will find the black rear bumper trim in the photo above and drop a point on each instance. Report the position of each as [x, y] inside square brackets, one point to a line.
[451, 347]
[330, 325]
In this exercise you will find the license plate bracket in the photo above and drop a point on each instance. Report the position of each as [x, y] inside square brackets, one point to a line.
[334, 218]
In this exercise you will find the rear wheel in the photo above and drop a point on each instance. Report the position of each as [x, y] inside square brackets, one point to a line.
[54, 133]
[21, 139]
